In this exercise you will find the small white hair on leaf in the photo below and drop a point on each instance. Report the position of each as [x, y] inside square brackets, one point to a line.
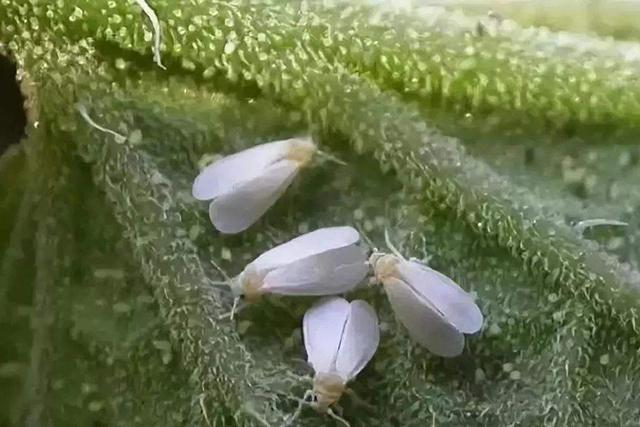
[581, 226]
[157, 31]
[244, 185]
[82, 109]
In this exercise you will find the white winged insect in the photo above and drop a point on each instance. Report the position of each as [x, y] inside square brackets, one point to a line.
[327, 261]
[244, 185]
[434, 309]
[340, 338]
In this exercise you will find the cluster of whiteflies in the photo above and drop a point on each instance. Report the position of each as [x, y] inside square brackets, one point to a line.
[340, 336]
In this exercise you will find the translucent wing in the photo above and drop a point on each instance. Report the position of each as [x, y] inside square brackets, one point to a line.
[456, 305]
[313, 243]
[331, 272]
[423, 322]
[235, 211]
[322, 326]
[232, 171]
[359, 340]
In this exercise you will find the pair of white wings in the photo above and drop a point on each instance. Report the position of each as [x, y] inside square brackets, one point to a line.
[433, 308]
[323, 262]
[340, 337]
[245, 185]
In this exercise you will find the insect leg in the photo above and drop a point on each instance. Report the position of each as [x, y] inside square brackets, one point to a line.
[338, 418]
[301, 402]
[359, 401]
[237, 307]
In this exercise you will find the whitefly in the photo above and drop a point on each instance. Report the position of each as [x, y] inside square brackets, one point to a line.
[327, 261]
[340, 338]
[436, 311]
[244, 185]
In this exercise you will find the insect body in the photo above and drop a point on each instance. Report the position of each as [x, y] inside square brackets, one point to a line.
[326, 261]
[243, 186]
[434, 309]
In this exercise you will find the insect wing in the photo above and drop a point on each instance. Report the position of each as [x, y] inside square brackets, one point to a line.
[360, 340]
[232, 171]
[236, 211]
[322, 326]
[331, 272]
[306, 245]
[455, 305]
[423, 322]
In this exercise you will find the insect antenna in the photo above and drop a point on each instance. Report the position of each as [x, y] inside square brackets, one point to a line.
[227, 282]
[390, 245]
[227, 278]
[330, 157]
[219, 283]
[364, 235]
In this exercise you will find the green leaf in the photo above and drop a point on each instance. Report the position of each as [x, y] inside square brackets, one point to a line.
[560, 305]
